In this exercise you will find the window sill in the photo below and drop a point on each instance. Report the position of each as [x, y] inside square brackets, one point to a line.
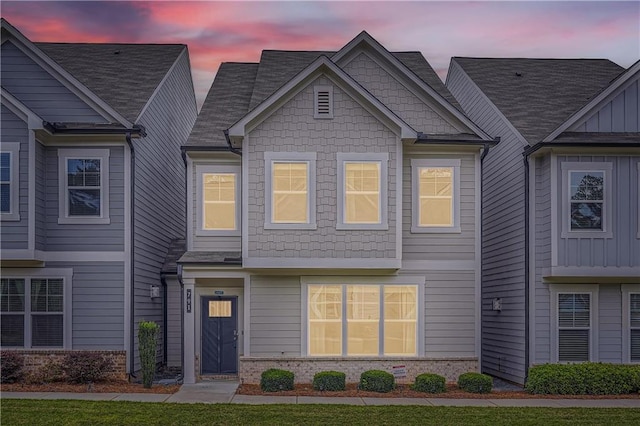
[84, 221]
[10, 217]
[436, 230]
[362, 227]
[215, 233]
[308, 226]
[587, 234]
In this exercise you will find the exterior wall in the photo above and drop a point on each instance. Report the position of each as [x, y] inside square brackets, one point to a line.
[623, 250]
[542, 242]
[503, 234]
[81, 237]
[440, 246]
[293, 128]
[622, 114]
[36, 360]
[41, 197]
[40, 91]
[159, 195]
[304, 369]
[174, 323]
[13, 129]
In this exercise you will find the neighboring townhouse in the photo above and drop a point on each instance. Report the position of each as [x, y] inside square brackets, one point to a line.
[561, 236]
[92, 190]
[333, 204]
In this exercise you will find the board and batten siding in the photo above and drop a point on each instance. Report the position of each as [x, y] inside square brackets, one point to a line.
[40, 91]
[623, 250]
[41, 197]
[86, 237]
[14, 234]
[440, 246]
[159, 196]
[503, 230]
[621, 114]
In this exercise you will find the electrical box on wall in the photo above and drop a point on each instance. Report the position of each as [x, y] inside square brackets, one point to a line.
[154, 291]
[497, 304]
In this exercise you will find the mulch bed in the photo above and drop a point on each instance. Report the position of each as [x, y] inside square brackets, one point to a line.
[104, 387]
[404, 391]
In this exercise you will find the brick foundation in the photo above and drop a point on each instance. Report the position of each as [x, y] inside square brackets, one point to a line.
[304, 368]
[34, 359]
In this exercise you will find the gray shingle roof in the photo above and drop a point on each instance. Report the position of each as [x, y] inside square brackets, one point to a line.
[538, 95]
[176, 249]
[124, 80]
[212, 257]
[240, 87]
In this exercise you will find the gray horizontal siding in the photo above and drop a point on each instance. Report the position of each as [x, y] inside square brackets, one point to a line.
[40, 91]
[503, 342]
[622, 114]
[41, 198]
[14, 234]
[174, 323]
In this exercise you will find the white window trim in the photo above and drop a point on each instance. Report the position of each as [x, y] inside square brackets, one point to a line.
[416, 165]
[316, 113]
[63, 194]
[607, 209]
[638, 206]
[13, 148]
[347, 157]
[627, 290]
[555, 290]
[418, 281]
[66, 274]
[293, 157]
[199, 199]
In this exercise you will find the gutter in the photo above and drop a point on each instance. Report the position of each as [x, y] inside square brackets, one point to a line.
[486, 145]
[59, 128]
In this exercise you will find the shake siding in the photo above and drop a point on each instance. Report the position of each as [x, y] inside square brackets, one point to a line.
[623, 250]
[275, 316]
[396, 96]
[292, 128]
[14, 234]
[503, 342]
[542, 249]
[41, 197]
[40, 91]
[622, 114]
[159, 189]
[80, 237]
[435, 246]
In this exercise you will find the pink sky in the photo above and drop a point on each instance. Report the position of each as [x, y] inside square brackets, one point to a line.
[238, 31]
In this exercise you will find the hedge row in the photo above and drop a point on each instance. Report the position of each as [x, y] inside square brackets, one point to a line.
[588, 378]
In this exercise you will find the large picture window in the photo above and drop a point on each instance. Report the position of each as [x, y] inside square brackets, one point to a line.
[362, 320]
[9, 206]
[435, 195]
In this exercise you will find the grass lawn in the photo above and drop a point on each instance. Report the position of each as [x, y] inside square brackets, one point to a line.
[42, 412]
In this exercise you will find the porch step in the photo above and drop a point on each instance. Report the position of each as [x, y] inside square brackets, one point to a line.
[212, 377]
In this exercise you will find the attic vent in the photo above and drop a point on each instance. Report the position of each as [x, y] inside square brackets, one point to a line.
[323, 102]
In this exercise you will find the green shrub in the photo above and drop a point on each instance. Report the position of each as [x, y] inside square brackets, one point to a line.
[86, 367]
[11, 366]
[49, 372]
[377, 381]
[147, 343]
[329, 381]
[475, 382]
[430, 383]
[586, 378]
[274, 380]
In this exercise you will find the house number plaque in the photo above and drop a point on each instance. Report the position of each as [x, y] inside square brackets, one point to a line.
[188, 301]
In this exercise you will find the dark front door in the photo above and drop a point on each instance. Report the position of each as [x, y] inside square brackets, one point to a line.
[219, 335]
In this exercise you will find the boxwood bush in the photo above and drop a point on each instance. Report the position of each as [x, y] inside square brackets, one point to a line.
[377, 381]
[329, 381]
[11, 366]
[586, 378]
[430, 383]
[475, 382]
[274, 380]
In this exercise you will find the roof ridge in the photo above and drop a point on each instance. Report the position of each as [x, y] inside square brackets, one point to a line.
[108, 44]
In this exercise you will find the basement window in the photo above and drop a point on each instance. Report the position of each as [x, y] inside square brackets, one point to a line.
[323, 102]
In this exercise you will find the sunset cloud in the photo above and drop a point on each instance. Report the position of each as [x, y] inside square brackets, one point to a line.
[238, 31]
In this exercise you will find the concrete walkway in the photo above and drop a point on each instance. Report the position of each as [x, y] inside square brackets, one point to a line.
[224, 392]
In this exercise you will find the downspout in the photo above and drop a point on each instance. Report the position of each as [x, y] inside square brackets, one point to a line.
[527, 265]
[132, 236]
[165, 334]
[181, 318]
[231, 148]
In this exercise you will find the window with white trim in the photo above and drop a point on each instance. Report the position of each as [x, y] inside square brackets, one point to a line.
[84, 186]
[9, 192]
[323, 102]
[362, 191]
[574, 326]
[435, 195]
[362, 320]
[290, 200]
[587, 200]
[34, 312]
[634, 327]
[218, 195]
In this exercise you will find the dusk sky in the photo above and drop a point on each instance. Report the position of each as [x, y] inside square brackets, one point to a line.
[238, 31]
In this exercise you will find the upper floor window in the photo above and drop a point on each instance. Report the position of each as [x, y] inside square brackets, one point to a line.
[9, 206]
[290, 201]
[435, 188]
[587, 200]
[362, 191]
[84, 185]
[219, 194]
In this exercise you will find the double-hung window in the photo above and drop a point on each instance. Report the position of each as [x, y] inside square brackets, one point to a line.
[290, 200]
[84, 186]
[218, 189]
[574, 316]
[587, 200]
[9, 206]
[35, 312]
[631, 323]
[362, 191]
[435, 186]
